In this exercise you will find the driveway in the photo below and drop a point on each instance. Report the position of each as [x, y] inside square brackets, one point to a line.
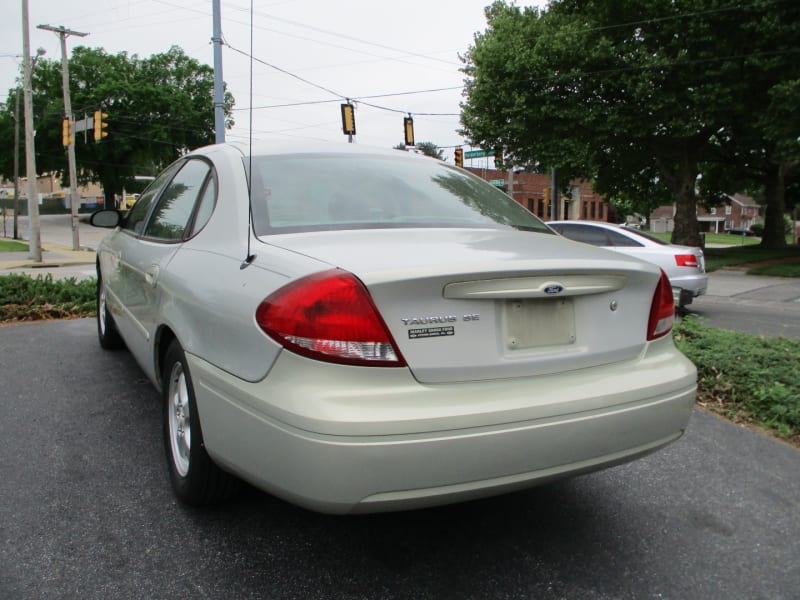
[86, 511]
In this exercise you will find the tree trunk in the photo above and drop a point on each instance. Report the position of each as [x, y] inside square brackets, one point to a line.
[774, 199]
[680, 179]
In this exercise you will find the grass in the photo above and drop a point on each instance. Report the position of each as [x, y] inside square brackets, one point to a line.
[13, 246]
[749, 379]
[716, 258]
[24, 298]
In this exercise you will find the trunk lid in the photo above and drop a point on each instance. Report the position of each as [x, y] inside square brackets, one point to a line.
[467, 305]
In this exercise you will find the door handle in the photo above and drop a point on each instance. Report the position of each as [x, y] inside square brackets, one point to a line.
[151, 275]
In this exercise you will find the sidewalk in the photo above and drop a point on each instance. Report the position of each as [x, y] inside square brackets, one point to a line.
[58, 261]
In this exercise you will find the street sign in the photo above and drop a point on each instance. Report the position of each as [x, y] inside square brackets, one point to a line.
[498, 182]
[477, 153]
[84, 124]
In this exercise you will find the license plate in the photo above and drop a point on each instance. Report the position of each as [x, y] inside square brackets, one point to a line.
[538, 322]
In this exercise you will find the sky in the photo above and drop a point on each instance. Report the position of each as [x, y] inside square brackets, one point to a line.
[374, 50]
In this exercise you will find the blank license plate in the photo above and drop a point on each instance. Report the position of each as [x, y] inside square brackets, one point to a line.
[537, 323]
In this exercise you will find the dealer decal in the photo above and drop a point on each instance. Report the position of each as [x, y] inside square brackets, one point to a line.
[429, 332]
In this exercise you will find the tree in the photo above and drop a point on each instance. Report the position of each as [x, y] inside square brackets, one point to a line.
[630, 93]
[430, 149]
[158, 108]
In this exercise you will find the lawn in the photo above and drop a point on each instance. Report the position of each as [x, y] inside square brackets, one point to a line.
[13, 246]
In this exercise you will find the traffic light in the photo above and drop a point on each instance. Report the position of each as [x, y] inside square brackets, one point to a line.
[546, 198]
[498, 158]
[348, 119]
[66, 132]
[408, 127]
[99, 125]
[460, 157]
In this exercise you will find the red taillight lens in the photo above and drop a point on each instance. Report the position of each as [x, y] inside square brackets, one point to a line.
[686, 260]
[329, 316]
[662, 311]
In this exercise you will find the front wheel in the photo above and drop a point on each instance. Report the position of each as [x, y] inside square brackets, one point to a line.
[195, 478]
[106, 328]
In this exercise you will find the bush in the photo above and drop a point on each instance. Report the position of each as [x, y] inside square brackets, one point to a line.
[758, 229]
[24, 298]
[747, 378]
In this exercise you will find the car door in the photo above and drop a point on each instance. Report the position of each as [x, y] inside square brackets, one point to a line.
[144, 257]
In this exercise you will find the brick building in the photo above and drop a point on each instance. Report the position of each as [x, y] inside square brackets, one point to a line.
[736, 212]
[528, 189]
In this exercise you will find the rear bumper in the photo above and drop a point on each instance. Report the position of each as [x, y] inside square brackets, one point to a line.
[366, 439]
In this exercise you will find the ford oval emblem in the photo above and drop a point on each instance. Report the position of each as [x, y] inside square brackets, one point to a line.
[553, 289]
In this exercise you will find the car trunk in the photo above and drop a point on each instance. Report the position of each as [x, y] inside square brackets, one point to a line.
[468, 305]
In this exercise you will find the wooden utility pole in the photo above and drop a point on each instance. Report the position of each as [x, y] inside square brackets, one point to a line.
[35, 241]
[63, 32]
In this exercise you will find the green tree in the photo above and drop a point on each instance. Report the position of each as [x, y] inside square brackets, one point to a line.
[430, 149]
[158, 108]
[631, 93]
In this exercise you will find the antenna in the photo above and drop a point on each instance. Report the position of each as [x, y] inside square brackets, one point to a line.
[248, 260]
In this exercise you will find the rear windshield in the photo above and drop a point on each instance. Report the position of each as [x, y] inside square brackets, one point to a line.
[318, 192]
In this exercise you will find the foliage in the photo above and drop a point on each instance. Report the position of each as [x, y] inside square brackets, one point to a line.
[634, 94]
[158, 108]
[430, 149]
[24, 298]
[757, 228]
[748, 378]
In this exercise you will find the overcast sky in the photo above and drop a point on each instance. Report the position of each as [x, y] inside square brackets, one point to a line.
[355, 48]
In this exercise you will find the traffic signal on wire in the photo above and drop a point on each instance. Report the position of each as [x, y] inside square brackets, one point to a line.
[348, 119]
[408, 127]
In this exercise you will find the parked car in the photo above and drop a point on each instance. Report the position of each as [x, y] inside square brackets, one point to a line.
[744, 231]
[359, 330]
[684, 265]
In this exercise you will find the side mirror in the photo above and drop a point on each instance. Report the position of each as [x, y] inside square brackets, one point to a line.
[105, 218]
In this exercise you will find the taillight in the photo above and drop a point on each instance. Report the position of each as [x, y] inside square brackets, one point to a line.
[662, 310]
[329, 316]
[686, 260]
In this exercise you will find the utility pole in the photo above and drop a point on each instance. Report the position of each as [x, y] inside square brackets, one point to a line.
[35, 241]
[555, 202]
[63, 32]
[16, 164]
[219, 103]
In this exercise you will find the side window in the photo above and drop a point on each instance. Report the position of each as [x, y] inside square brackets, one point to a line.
[588, 235]
[205, 206]
[138, 213]
[176, 203]
[619, 240]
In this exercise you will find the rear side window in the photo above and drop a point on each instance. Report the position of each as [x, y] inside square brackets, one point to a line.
[621, 241]
[172, 214]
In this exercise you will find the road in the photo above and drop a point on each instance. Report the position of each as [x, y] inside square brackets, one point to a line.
[86, 511]
[750, 303]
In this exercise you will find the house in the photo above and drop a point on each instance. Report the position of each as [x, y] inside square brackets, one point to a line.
[532, 190]
[735, 212]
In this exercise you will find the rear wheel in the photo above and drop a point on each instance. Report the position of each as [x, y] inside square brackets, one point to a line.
[195, 478]
[106, 328]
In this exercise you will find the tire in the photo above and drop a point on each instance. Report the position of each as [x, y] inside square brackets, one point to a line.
[196, 479]
[107, 332]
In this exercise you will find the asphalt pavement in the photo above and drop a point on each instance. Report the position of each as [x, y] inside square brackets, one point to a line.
[86, 511]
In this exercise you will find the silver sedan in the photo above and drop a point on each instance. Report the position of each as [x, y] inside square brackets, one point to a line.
[684, 265]
[360, 330]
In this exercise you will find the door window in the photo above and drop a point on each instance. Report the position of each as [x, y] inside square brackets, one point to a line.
[173, 212]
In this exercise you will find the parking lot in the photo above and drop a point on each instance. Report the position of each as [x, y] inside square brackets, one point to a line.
[86, 511]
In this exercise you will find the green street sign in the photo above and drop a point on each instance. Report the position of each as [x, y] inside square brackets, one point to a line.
[498, 182]
[477, 153]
